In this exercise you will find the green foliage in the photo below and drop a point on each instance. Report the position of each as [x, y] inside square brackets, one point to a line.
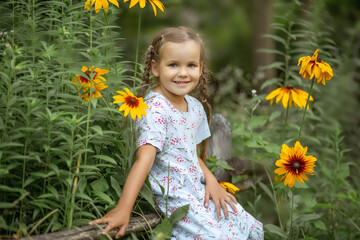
[213, 163]
[326, 206]
[63, 162]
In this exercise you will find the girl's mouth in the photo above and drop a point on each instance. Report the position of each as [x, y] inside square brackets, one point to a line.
[181, 83]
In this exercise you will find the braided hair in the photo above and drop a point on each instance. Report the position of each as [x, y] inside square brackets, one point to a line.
[179, 35]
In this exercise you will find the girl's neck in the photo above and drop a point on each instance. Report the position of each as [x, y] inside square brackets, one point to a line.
[178, 101]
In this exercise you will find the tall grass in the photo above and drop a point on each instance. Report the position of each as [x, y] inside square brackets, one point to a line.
[63, 161]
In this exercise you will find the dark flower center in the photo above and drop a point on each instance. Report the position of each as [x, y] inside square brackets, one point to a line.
[290, 87]
[132, 102]
[87, 73]
[318, 60]
[296, 165]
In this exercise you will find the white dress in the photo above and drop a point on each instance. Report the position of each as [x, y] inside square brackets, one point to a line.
[176, 134]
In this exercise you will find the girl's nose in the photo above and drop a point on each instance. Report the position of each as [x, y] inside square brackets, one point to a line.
[182, 72]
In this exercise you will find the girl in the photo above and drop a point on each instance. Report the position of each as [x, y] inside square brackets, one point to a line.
[167, 140]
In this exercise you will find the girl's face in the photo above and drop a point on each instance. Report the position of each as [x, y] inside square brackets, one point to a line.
[179, 68]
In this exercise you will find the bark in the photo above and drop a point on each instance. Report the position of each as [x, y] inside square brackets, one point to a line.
[136, 224]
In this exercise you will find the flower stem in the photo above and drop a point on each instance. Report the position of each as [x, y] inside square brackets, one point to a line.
[283, 127]
[33, 32]
[287, 55]
[90, 33]
[137, 49]
[307, 104]
[291, 213]
[113, 49]
[87, 125]
[275, 198]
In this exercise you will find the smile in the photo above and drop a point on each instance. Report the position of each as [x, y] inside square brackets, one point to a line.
[181, 83]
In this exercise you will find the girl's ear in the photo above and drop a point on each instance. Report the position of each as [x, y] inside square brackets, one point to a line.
[201, 66]
[155, 68]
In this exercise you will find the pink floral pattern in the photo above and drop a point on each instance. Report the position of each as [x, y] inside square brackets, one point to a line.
[176, 134]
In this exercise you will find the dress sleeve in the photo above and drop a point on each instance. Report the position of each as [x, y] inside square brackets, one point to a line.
[151, 129]
[203, 130]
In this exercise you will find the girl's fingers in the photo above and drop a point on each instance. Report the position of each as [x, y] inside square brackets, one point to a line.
[207, 197]
[224, 207]
[218, 209]
[232, 205]
[97, 221]
[121, 232]
[108, 228]
[233, 198]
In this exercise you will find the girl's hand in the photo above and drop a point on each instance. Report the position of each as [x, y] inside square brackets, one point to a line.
[116, 218]
[220, 197]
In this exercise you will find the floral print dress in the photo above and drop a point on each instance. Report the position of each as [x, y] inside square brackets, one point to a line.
[176, 134]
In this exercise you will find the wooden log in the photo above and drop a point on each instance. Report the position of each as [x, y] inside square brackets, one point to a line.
[136, 224]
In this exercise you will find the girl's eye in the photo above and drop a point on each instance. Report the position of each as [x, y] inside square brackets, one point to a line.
[192, 65]
[172, 65]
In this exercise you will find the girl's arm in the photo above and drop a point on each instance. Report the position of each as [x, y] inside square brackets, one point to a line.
[120, 215]
[214, 191]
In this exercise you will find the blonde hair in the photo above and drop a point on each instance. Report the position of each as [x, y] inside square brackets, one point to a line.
[179, 35]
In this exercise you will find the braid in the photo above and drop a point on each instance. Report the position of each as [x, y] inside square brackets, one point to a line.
[146, 76]
[203, 92]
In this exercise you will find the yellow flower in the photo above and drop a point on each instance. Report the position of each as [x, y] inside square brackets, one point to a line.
[132, 104]
[294, 164]
[99, 4]
[231, 188]
[315, 67]
[96, 82]
[299, 97]
[154, 4]
[96, 90]
[97, 78]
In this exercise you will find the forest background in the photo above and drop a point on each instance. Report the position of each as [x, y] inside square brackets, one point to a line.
[63, 160]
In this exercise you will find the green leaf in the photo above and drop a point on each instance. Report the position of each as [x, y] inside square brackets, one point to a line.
[55, 168]
[12, 189]
[6, 145]
[223, 164]
[7, 205]
[252, 143]
[146, 193]
[256, 121]
[105, 158]
[325, 205]
[274, 115]
[306, 218]
[104, 197]
[271, 81]
[3, 224]
[276, 230]
[97, 129]
[53, 191]
[273, 148]
[272, 51]
[179, 214]
[267, 190]
[276, 38]
[163, 230]
[43, 175]
[300, 185]
[84, 196]
[276, 65]
[116, 186]
[100, 185]
[320, 225]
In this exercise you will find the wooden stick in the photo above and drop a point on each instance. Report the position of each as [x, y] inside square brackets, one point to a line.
[136, 224]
